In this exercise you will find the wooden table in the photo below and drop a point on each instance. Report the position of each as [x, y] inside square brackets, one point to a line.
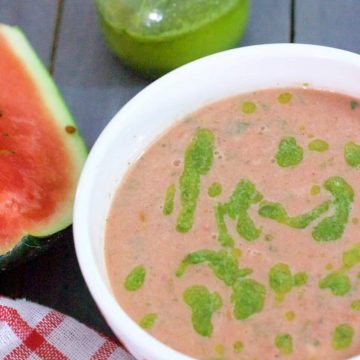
[95, 86]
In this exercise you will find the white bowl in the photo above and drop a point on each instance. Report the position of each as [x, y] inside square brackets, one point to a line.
[154, 110]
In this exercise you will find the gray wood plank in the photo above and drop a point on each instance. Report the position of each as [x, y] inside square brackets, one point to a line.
[269, 22]
[36, 18]
[328, 22]
[94, 83]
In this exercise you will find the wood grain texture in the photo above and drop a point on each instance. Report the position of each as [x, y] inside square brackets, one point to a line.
[93, 81]
[36, 18]
[269, 22]
[328, 22]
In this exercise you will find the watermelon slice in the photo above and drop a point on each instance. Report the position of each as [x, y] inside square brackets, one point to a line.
[41, 153]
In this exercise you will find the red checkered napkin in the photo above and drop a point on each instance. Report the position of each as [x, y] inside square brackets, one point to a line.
[31, 331]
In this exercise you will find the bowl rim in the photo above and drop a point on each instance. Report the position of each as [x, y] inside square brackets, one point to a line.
[98, 289]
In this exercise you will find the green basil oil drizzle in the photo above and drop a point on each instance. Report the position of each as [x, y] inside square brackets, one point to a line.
[244, 195]
[135, 279]
[282, 281]
[328, 229]
[248, 298]
[284, 98]
[219, 350]
[169, 200]
[248, 107]
[300, 279]
[203, 305]
[199, 157]
[318, 145]
[355, 305]
[224, 266]
[352, 154]
[289, 153]
[276, 211]
[290, 315]
[238, 347]
[148, 321]
[284, 343]
[332, 228]
[342, 337]
[315, 190]
[248, 295]
[338, 281]
[215, 189]
[224, 238]
[351, 257]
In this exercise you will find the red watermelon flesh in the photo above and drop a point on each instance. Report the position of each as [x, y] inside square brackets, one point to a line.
[38, 169]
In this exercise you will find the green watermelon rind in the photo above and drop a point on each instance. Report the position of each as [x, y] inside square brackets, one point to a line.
[53, 101]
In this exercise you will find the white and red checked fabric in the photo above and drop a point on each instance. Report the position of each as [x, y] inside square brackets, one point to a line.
[30, 331]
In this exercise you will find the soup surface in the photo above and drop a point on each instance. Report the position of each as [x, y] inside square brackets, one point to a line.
[236, 234]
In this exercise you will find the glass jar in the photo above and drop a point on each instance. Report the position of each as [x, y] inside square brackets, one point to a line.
[156, 36]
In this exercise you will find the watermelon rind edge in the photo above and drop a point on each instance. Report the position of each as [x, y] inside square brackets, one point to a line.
[53, 101]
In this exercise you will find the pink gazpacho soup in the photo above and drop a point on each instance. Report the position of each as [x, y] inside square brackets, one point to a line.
[236, 235]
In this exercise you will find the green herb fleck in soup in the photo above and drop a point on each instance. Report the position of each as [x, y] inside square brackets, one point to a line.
[135, 280]
[289, 153]
[332, 228]
[248, 298]
[318, 145]
[282, 281]
[248, 107]
[338, 282]
[199, 157]
[238, 347]
[342, 337]
[215, 189]
[148, 321]
[284, 343]
[169, 200]
[244, 195]
[284, 98]
[225, 266]
[203, 305]
[352, 154]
